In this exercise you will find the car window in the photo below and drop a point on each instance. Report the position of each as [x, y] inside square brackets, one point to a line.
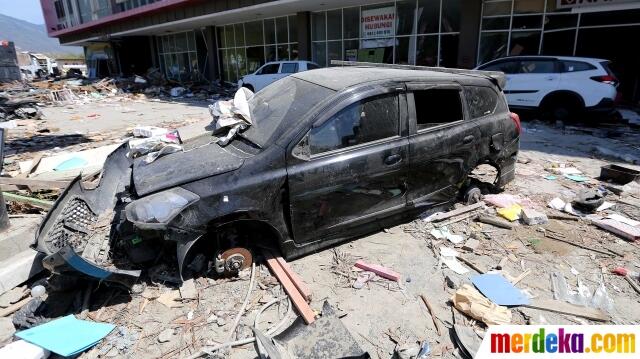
[312, 66]
[508, 67]
[437, 106]
[364, 121]
[289, 68]
[575, 66]
[269, 69]
[482, 101]
[536, 67]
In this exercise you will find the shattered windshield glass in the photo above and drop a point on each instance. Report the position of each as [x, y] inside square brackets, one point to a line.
[279, 104]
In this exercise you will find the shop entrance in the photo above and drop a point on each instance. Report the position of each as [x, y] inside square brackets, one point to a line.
[615, 44]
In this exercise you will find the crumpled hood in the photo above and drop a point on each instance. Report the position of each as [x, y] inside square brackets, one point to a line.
[201, 158]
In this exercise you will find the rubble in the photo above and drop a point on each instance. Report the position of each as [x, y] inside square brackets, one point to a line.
[173, 318]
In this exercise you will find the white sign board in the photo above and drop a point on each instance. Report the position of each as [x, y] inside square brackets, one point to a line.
[376, 23]
[584, 3]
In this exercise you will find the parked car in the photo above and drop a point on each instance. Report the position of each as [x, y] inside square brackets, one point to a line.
[560, 88]
[332, 154]
[272, 72]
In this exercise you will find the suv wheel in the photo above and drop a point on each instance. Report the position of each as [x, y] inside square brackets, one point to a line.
[249, 87]
[560, 108]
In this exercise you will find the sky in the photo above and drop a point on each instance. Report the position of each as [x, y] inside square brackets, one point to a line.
[28, 10]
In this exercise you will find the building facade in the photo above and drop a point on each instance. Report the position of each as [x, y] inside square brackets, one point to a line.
[194, 39]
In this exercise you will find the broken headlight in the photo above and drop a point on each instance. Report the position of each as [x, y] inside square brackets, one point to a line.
[159, 208]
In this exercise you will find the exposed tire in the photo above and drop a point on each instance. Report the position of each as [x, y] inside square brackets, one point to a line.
[472, 195]
[249, 87]
[561, 107]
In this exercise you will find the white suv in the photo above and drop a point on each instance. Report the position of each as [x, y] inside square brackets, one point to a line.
[272, 72]
[560, 88]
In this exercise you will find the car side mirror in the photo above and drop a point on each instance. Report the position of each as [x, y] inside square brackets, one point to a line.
[302, 150]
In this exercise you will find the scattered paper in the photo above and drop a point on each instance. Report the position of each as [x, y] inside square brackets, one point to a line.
[443, 232]
[448, 257]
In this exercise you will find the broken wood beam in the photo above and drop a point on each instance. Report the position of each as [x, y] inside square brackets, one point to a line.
[295, 278]
[620, 229]
[472, 265]
[434, 318]
[561, 307]
[33, 183]
[556, 238]
[296, 298]
[30, 200]
[379, 270]
[14, 307]
[494, 221]
[456, 212]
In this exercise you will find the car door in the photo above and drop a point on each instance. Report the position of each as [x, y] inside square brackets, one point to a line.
[287, 69]
[350, 168]
[443, 143]
[534, 79]
[265, 75]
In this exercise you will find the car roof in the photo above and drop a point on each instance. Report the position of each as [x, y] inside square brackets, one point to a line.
[338, 78]
[565, 58]
[285, 61]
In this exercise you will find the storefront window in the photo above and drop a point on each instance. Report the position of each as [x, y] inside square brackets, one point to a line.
[386, 33]
[494, 8]
[558, 43]
[528, 6]
[179, 58]
[493, 45]
[247, 46]
[524, 43]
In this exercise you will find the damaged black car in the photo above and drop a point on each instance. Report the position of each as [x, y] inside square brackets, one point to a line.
[329, 155]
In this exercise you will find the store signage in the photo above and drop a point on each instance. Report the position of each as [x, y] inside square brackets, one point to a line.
[378, 22]
[584, 3]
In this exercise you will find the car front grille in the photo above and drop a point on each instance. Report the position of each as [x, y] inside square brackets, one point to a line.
[73, 224]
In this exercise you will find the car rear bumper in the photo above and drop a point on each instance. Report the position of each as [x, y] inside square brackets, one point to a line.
[605, 106]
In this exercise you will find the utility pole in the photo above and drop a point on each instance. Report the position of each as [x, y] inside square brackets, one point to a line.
[4, 216]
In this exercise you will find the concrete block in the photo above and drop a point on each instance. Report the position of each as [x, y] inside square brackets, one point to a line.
[19, 268]
[533, 217]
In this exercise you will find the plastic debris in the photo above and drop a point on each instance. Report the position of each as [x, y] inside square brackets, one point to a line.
[55, 335]
[557, 204]
[511, 213]
[71, 164]
[499, 290]
[576, 178]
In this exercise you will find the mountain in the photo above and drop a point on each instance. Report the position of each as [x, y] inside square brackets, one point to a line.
[32, 37]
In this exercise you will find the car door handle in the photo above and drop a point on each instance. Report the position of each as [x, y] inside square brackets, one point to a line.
[393, 159]
[468, 139]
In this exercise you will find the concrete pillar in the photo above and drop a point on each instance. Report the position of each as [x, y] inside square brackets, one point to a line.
[304, 35]
[4, 216]
[211, 38]
[471, 11]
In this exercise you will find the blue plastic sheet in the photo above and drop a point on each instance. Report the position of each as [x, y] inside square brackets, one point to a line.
[499, 290]
[71, 164]
[66, 336]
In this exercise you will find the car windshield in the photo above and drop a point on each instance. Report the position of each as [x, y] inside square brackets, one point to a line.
[278, 104]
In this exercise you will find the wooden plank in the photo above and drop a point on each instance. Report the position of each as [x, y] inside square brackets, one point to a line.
[30, 200]
[620, 229]
[34, 164]
[379, 270]
[33, 183]
[441, 216]
[295, 278]
[494, 221]
[558, 306]
[298, 301]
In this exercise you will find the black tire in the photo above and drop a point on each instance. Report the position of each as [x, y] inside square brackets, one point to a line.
[472, 195]
[564, 108]
[249, 87]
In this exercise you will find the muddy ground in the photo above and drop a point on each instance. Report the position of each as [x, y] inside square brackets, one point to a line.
[383, 312]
